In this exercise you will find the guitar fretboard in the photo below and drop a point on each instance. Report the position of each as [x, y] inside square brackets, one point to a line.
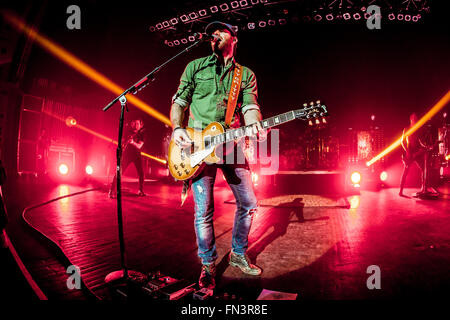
[234, 134]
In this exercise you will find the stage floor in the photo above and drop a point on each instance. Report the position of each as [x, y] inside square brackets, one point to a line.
[316, 246]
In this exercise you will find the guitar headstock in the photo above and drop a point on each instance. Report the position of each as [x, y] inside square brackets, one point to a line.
[317, 111]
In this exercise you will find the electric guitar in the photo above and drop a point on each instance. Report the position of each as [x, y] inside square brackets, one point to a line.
[186, 163]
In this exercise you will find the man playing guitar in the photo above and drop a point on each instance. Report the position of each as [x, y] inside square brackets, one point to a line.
[205, 89]
[132, 154]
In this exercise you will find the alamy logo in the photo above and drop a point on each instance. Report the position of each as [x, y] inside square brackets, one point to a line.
[74, 20]
[74, 280]
[374, 281]
[374, 20]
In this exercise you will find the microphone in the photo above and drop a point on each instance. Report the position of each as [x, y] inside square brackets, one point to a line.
[206, 37]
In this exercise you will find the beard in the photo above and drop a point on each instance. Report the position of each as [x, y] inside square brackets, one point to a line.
[220, 46]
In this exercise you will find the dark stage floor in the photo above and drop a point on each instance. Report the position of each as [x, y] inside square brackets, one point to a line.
[318, 247]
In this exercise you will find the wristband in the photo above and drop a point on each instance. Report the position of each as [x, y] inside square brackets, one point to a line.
[177, 128]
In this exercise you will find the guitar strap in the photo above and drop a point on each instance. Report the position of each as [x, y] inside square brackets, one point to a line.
[234, 94]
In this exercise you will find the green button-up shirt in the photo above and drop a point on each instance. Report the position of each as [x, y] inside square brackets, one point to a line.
[205, 86]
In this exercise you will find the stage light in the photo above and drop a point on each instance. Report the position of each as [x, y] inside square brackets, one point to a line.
[89, 170]
[282, 22]
[191, 38]
[416, 18]
[317, 17]
[447, 157]
[214, 9]
[383, 176]
[271, 23]
[243, 3]
[176, 42]
[253, 2]
[262, 24]
[391, 16]
[224, 7]
[234, 4]
[407, 17]
[80, 66]
[400, 16]
[251, 25]
[159, 26]
[152, 29]
[355, 177]
[346, 16]
[202, 13]
[372, 117]
[174, 21]
[193, 15]
[71, 122]
[357, 16]
[169, 43]
[165, 24]
[329, 17]
[184, 18]
[367, 15]
[63, 169]
[184, 41]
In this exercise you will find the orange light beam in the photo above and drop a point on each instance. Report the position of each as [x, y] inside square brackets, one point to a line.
[435, 109]
[81, 66]
[103, 137]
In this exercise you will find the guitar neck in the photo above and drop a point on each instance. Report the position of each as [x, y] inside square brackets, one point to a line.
[233, 134]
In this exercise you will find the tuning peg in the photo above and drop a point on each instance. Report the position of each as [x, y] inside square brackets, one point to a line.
[311, 103]
[318, 102]
[310, 123]
[305, 105]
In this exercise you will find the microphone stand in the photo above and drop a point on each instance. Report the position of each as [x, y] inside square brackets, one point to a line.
[124, 274]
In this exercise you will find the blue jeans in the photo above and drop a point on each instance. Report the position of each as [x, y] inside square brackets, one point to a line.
[240, 181]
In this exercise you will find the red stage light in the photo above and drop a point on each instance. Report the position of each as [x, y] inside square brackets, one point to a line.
[89, 170]
[63, 169]
[71, 121]
[383, 176]
[355, 177]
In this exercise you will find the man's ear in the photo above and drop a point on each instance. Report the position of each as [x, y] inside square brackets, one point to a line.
[235, 40]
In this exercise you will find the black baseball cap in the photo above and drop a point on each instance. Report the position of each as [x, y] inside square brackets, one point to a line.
[213, 26]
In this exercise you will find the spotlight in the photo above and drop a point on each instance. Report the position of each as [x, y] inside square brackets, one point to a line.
[253, 2]
[391, 16]
[329, 17]
[214, 9]
[372, 117]
[416, 18]
[383, 176]
[355, 177]
[202, 13]
[346, 16]
[271, 22]
[251, 25]
[262, 24]
[176, 42]
[224, 7]
[89, 170]
[282, 22]
[152, 29]
[407, 17]
[243, 3]
[184, 18]
[184, 41]
[191, 38]
[367, 15]
[234, 4]
[63, 169]
[169, 43]
[357, 16]
[165, 24]
[193, 15]
[174, 21]
[159, 26]
[71, 121]
[400, 16]
[317, 17]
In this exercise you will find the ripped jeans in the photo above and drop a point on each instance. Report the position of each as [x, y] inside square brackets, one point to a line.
[240, 181]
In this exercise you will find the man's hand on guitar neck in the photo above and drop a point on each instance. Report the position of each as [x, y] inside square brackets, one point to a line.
[253, 117]
[181, 137]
